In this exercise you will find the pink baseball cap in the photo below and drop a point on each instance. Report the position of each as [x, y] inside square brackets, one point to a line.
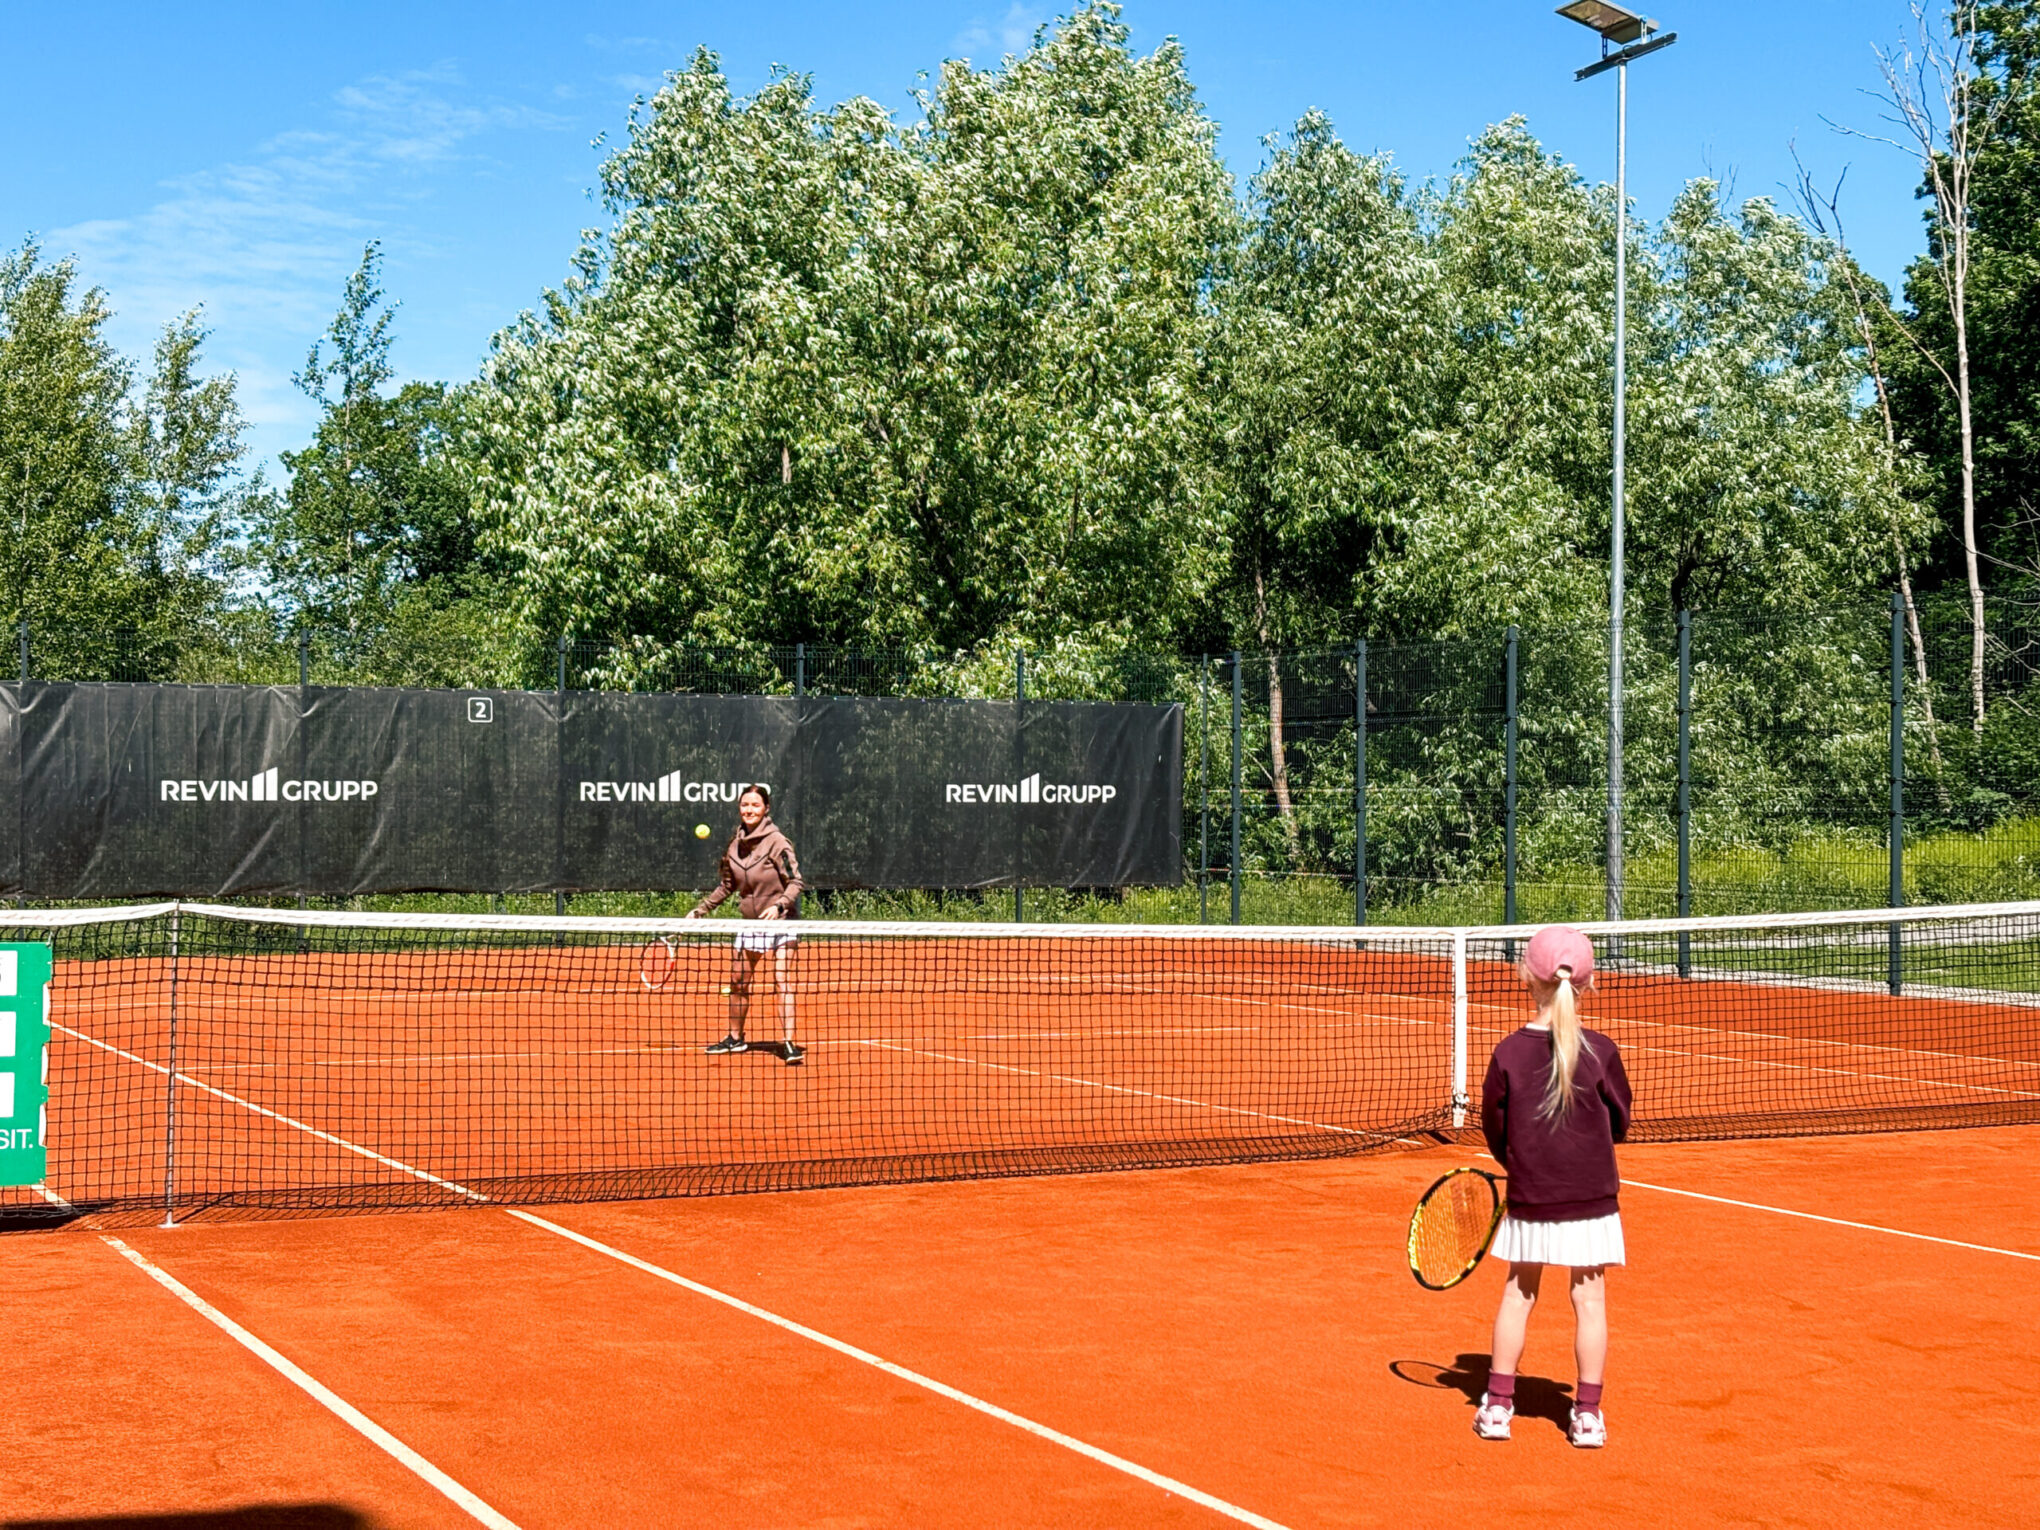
[1556, 946]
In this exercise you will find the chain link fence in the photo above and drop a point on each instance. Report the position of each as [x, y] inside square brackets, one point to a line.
[1773, 761]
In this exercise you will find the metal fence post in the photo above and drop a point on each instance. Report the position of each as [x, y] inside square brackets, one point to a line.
[1685, 802]
[560, 788]
[1359, 781]
[1019, 850]
[799, 670]
[1509, 782]
[1204, 789]
[304, 683]
[1895, 977]
[1235, 786]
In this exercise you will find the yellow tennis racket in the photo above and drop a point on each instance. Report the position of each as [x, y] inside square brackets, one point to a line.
[1453, 1225]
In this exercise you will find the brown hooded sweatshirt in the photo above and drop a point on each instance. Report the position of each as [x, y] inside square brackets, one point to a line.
[759, 867]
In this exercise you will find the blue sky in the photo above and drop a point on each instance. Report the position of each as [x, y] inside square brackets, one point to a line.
[238, 155]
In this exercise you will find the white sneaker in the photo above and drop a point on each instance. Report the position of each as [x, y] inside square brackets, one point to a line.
[1589, 1430]
[1491, 1419]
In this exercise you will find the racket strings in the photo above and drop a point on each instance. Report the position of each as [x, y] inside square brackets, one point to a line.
[1451, 1228]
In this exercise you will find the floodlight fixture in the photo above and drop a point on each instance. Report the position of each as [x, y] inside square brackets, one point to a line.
[1613, 23]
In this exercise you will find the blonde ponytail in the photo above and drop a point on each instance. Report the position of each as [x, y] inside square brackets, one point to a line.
[1565, 1048]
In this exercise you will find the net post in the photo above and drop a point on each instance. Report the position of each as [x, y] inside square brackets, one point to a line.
[799, 671]
[1895, 976]
[1019, 774]
[1685, 801]
[1460, 1100]
[1235, 866]
[1204, 789]
[1509, 724]
[1360, 781]
[170, 1086]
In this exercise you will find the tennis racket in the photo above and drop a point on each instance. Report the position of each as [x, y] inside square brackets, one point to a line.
[656, 963]
[1452, 1227]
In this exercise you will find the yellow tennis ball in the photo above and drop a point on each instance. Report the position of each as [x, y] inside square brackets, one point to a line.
[701, 831]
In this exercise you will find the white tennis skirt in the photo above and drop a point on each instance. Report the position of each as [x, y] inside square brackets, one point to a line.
[765, 940]
[1578, 1244]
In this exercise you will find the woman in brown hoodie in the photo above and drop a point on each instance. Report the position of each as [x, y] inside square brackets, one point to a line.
[760, 869]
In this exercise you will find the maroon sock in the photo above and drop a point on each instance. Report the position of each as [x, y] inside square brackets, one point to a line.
[1588, 1399]
[1501, 1389]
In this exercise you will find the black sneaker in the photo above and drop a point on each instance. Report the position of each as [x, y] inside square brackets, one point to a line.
[795, 1056]
[728, 1044]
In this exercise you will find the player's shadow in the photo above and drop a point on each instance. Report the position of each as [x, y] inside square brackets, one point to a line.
[1536, 1396]
[262, 1516]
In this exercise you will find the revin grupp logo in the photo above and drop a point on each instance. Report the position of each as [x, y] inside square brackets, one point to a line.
[264, 786]
[1030, 790]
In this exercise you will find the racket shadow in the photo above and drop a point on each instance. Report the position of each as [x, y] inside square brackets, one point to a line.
[1536, 1396]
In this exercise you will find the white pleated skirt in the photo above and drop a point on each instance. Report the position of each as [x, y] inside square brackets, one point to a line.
[1578, 1244]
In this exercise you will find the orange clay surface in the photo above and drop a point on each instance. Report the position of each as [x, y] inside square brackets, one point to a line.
[1250, 1331]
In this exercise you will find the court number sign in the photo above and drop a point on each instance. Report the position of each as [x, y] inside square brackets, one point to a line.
[24, 1062]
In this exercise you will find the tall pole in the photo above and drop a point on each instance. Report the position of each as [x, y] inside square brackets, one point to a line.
[1895, 976]
[1618, 507]
[1617, 25]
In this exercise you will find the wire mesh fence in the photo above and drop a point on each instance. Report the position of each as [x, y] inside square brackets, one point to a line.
[1773, 761]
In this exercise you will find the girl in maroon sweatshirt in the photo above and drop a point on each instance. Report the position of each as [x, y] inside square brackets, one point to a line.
[1555, 1103]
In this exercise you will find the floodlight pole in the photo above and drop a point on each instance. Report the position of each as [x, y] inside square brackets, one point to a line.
[1618, 508]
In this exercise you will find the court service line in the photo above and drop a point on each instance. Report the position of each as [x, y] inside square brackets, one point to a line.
[1811, 1216]
[321, 1394]
[940, 1389]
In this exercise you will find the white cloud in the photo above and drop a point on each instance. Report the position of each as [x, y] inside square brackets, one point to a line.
[264, 242]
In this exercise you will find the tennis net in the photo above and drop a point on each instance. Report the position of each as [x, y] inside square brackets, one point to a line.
[210, 1061]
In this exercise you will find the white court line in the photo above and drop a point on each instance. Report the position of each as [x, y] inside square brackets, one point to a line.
[929, 1383]
[1810, 1216]
[321, 1394]
[489, 1516]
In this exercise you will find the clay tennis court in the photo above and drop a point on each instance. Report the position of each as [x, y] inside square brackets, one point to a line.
[1246, 1331]
[1182, 1345]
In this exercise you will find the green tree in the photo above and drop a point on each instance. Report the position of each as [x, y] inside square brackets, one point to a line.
[373, 534]
[828, 378]
[116, 500]
[1323, 361]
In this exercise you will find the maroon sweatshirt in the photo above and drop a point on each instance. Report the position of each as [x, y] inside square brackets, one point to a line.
[1561, 1169]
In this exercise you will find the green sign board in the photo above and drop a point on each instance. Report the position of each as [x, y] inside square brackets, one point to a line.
[24, 1062]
